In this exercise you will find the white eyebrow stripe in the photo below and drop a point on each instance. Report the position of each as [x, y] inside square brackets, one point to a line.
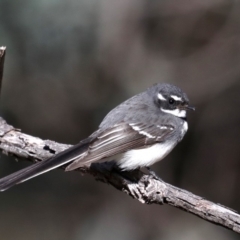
[176, 98]
[161, 97]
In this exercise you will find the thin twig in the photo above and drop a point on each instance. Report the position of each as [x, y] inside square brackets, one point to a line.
[2, 58]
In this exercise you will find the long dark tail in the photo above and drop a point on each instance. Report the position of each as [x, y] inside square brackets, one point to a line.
[69, 155]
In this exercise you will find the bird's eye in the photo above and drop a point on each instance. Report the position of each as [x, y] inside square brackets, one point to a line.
[171, 101]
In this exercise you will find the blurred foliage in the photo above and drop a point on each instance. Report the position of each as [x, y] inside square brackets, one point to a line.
[69, 62]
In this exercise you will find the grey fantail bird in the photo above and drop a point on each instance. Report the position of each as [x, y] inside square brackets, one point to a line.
[137, 133]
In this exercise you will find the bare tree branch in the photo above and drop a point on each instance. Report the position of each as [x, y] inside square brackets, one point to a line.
[2, 58]
[140, 186]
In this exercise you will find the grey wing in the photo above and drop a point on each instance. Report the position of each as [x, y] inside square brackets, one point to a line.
[121, 138]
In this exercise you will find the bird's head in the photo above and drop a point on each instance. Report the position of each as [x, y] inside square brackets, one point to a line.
[171, 99]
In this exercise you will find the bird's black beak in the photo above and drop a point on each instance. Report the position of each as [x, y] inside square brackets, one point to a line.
[190, 108]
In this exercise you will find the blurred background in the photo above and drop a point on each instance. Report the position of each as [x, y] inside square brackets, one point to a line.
[69, 62]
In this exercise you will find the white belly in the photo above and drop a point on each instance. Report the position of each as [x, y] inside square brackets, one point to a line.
[144, 157]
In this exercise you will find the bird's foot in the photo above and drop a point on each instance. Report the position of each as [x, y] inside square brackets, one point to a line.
[153, 174]
[112, 168]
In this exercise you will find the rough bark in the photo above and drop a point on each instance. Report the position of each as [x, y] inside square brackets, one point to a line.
[142, 187]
